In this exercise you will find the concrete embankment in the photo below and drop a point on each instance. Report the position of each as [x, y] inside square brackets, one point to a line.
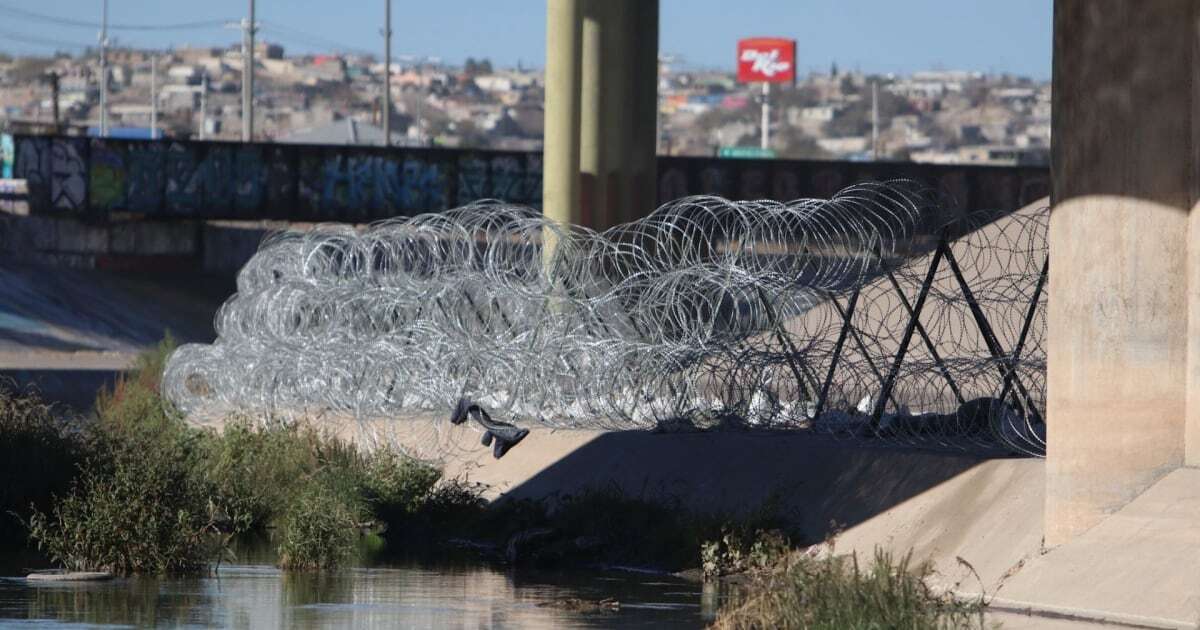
[978, 520]
[69, 332]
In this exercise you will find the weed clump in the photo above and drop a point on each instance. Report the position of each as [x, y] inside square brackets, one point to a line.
[136, 506]
[836, 592]
[318, 528]
[740, 550]
[40, 454]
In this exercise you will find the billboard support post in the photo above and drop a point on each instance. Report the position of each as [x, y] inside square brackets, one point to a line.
[766, 115]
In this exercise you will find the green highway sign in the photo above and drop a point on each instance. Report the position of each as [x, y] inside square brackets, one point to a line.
[745, 153]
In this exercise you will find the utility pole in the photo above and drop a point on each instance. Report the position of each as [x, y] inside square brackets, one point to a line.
[248, 28]
[387, 73]
[203, 103]
[875, 120]
[53, 79]
[154, 97]
[420, 106]
[104, 71]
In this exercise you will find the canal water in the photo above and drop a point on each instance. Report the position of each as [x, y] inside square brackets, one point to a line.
[402, 596]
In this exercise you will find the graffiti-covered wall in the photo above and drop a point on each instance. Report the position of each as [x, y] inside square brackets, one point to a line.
[963, 187]
[94, 177]
[6, 155]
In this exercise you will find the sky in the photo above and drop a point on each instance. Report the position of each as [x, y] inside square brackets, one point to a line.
[881, 36]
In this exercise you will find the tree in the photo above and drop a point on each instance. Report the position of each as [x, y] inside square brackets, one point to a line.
[470, 136]
[29, 69]
[848, 86]
[793, 144]
[797, 96]
[855, 120]
[474, 67]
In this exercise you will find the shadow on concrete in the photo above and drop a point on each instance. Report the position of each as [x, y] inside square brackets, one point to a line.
[820, 484]
[44, 308]
[68, 333]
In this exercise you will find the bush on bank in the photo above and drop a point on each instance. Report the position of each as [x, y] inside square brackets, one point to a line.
[39, 457]
[137, 490]
[154, 495]
[837, 593]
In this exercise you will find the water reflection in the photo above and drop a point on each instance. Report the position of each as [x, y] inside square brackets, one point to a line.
[260, 596]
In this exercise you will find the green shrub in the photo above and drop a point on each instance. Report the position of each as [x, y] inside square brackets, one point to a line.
[319, 528]
[40, 454]
[836, 593]
[136, 508]
[255, 469]
[396, 483]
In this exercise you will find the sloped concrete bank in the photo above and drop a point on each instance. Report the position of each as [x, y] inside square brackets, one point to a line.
[977, 520]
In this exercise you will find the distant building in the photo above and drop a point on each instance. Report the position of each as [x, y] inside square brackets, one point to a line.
[843, 146]
[347, 131]
[266, 50]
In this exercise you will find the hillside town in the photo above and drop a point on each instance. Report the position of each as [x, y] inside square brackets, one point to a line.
[938, 116]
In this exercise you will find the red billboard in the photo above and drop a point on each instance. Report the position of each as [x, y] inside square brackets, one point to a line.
[766, 60]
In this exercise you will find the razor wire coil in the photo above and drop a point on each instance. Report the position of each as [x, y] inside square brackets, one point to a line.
[708, 312]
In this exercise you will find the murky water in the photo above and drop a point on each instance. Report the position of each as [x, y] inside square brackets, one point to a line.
[260, 596]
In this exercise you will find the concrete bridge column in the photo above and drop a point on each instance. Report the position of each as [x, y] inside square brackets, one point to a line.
[560, 167]
[597, 72]
[601, 110]
[1124, 371]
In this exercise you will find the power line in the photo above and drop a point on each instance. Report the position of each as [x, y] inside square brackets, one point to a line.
[282, 31]
[41, 41]
[310, 39]
[62, 21]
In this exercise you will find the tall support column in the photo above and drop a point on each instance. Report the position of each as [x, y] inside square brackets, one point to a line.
[601, 110]
[643, 110]
[1192, 418]
[616, 122]
[592, 163]
[560, 167]
[1118, 309]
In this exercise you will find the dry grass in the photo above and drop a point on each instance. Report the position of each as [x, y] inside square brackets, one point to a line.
[837, 593]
